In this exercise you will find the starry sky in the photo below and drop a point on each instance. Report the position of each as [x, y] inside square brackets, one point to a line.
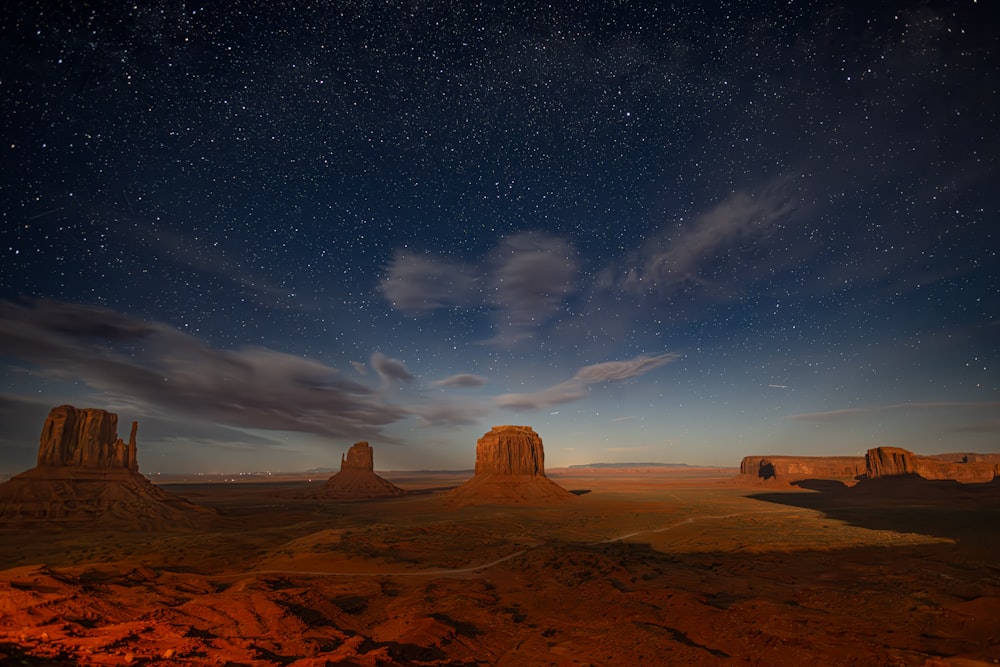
[673, 232]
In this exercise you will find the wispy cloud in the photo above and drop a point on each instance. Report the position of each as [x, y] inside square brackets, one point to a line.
[677, 255]
[985, 426]
[169, 371]
[458, 413]
[461, 380]
[390, 369]
[203, 256]
[524, 281]
[416, 283]
[534, 273]
[848, 413]
[576, 387]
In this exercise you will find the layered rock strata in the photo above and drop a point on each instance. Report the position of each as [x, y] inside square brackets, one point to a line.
[86, 438]
[357, 478]
[879, 462]
[510, 469]
[961, 467]
[795, 468]
[86, 472]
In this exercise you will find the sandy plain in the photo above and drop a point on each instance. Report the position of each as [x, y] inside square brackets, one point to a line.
[643, 567]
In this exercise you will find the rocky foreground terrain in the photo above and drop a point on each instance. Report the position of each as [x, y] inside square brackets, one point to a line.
[652, 568]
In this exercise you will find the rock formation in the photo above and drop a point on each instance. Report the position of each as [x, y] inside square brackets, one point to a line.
[510, 469]
[883, 462]
[510, 450]
[877, 463]
[85, 472]
[86, 438]
[357, 478]
[795, 468]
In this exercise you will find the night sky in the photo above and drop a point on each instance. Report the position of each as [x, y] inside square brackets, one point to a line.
[652, 232]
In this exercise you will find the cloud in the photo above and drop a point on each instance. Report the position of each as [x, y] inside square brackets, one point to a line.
[390, 369]
[576, 387]
[167, 371]
[830, 415]
[678, 255]
[419, 283]
[360, 368]
[847, 413]
[450, 414]
[523, 281]
[210, 261]
[462, 380]
[534, 272]
[986, 426]
[615, 371]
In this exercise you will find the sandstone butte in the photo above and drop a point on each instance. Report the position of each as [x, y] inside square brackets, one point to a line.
[510, 469]
[86, 472]
[357, 478]
[879, 462]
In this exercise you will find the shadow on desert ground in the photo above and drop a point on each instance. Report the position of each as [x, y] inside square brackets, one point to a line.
[944, 508]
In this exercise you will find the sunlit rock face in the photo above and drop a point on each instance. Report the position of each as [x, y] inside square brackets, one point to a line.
[357, 478]
[510, 469]
[86, 473]
[510, 450]
[884, 462]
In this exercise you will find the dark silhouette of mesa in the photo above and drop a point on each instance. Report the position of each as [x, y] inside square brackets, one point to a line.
[357, 479]
[86, 472]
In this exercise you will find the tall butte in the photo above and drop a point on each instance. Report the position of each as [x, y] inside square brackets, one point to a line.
[357, 478]
[510, 470]
[86, 472]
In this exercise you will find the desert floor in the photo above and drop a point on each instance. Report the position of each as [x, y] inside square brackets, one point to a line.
[642, 567]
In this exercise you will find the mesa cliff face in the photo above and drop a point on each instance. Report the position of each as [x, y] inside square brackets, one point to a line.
[877, 463]
[510, 469]
[795, 468]
[86, 472]
[85, 438]
[510, 450]
[884, 462]
[357, 478]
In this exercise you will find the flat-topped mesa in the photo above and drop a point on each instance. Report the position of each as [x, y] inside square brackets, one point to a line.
[357, 479]
[85, 438]
[881, 462]
[510, 469]
[795, 468]
[510, 450]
